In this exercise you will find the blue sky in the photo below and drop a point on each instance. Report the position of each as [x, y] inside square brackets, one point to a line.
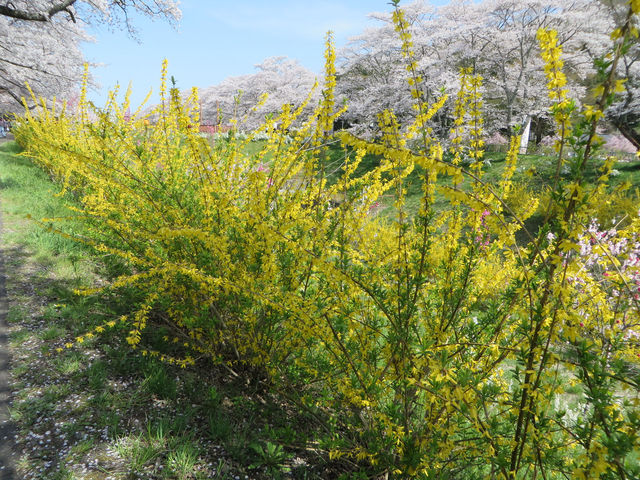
[216, 39]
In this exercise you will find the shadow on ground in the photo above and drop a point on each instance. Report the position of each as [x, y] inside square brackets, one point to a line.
[7, 449]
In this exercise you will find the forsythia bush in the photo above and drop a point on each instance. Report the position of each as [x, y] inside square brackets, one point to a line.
[430, 345]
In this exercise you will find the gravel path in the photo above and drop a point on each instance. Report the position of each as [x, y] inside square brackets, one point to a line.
[7, 469]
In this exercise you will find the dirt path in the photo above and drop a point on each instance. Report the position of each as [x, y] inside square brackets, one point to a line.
[7, 468]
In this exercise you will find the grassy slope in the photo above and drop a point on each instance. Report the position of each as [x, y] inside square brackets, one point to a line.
[533, 173]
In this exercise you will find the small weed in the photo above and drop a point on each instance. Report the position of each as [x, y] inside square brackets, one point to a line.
[287, 433]
[182, 422]
[19, 337]
[220, 427]
[158, 382]
[82, 447]
[69, 363]
[157, 433]
[110, 420]
[272, 457]
[137, 452]
[238, 443]
[122, 363]
[15, 414]
[70, 428]
[29, 410]
[15, 314]
[182, 459]
[214, 398]
[97, 375]
[103, 401]
[62, 473]
[220, 471]
[20, 370]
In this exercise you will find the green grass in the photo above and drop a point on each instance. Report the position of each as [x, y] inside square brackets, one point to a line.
[534, 173]
[182, 458]
[26, 190]
[137, 452]
[157, 381]
[15, 314]
[70, 363]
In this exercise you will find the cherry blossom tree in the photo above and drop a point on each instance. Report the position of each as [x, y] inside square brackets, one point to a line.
[625, 112]
[40, 41]
[114, 11]
[505, 50]
[372, 76]
[44, 55]
[497, 38]
[284, 80]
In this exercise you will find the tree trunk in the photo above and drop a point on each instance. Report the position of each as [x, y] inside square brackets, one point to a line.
[524, 141]
[538, 129]
[627, 131]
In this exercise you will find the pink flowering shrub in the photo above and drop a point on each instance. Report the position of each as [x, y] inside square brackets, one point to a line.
[610, 272]
[214, 129]
[482, 232]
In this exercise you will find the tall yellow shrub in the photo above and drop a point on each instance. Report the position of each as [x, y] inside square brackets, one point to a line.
[434, 345]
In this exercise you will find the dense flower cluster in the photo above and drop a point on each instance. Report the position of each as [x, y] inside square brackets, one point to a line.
[611, 260]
